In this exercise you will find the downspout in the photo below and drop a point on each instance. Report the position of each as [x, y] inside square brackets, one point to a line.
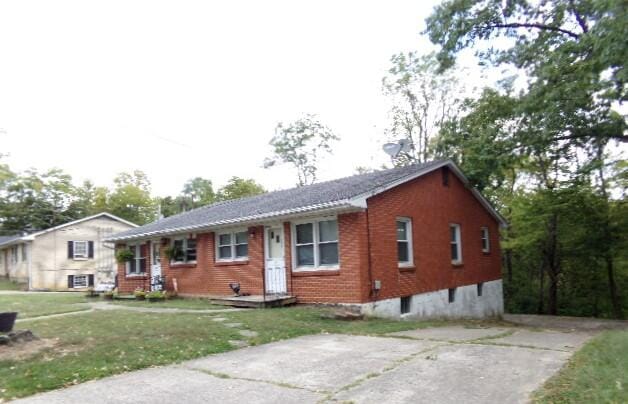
[372, 293]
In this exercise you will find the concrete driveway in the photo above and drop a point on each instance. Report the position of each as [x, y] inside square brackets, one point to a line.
[450, 364]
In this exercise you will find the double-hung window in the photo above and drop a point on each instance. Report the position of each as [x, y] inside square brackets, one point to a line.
[184, 250]
[80, 250]
[137, 265]
[316, 244]
[455, 243]
[14, 254]
[80, 281]
[404, 242]
[232, 246]
[486, 244]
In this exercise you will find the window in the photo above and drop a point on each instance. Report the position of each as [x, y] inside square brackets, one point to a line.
[232, 246]
[80, 281]
[456, 248]
[404, 242]
[80, 250]
[316, 244]
[405, 304]
[486, 245]
[137, 266]
[480, 287]
[452, 295]
[184, 250]
[24, 252]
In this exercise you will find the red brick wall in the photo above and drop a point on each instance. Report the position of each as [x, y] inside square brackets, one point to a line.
[206, 276]
[347, 285]
[129, 283]
[432, 207]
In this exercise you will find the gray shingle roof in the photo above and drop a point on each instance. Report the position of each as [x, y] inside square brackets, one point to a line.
[327, 194]
[8, 239]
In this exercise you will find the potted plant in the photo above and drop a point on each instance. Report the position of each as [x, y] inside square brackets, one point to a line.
[124, 255]
[171, 252]
[139, 294]
[7, 320]
[156, 296]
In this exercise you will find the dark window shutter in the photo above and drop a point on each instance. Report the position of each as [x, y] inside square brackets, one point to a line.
[70, 280]
[90, 249]
[90, 279]
[70, 249]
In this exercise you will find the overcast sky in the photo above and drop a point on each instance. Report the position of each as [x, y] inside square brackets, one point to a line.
[194, 88]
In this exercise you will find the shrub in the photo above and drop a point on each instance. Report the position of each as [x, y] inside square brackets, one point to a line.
[139, 294]
[156, 296]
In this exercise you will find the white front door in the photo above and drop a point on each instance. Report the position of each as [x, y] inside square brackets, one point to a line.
[275, 262]
[155, 263]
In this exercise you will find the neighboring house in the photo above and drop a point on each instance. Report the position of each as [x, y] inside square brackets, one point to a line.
[71, 256]
[410, 241]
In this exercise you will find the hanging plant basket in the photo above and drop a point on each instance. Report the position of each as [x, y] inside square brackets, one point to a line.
[123, 256]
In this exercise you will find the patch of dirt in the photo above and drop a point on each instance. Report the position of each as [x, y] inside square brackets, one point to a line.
[23, 350]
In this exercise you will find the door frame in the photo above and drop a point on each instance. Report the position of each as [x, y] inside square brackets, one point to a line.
[267, 230]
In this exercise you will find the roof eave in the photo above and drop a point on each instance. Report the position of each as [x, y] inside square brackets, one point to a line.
[324, 208]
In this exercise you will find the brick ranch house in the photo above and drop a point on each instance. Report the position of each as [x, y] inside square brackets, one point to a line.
[413, 241]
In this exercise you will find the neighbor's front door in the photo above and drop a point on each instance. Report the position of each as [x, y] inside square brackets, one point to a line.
[275, 262]
[155, 263]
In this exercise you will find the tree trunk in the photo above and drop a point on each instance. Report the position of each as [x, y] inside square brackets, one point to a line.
[541, 289]
[612, 287]
[553, 296]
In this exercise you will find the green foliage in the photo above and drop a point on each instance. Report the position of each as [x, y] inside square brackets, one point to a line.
[156, 295]
[598, 373]
[300, 143]
[422, 102]
[540, 154]
[131, 198]
[124, 255]
[239, 188]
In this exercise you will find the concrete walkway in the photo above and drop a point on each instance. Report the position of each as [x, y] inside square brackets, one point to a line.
[451, 364]
[93, 306]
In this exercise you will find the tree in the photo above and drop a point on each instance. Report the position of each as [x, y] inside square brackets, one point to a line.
[239, 188]
[35, 201]
[300, 143]
[548, 140]
[422, 101]
[131, 198]
[199, 192]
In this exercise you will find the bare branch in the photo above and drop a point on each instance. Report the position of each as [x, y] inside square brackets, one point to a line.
[537, 26]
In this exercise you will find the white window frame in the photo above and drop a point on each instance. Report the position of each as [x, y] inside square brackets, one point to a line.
[486, 240]
[458, 243]
[408, 224]
[74, 283]
[232, 244]
[185, 249]
[80, 256]
[315, 227]
[137, 257]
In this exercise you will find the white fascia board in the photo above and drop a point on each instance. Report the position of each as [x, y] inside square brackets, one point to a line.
[323, 208]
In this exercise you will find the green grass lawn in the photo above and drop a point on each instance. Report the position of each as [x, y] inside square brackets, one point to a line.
[102, 343]
[41, 304]
[598, 373]
[6, 284]
[188, 303]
